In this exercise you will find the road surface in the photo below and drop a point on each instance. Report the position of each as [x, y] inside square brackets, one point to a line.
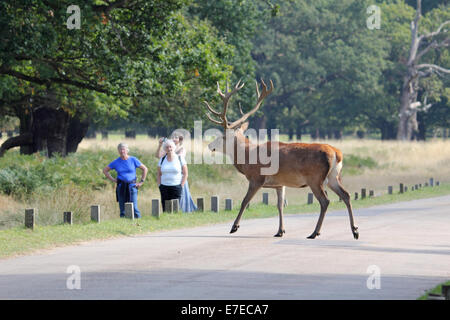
[403, 250]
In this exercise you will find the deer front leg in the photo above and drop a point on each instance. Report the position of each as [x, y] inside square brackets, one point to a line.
[252, 189]
[280, 204]
[324, 202]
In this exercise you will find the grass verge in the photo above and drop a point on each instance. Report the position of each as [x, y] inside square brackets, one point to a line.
[436, 290]
[18, 240]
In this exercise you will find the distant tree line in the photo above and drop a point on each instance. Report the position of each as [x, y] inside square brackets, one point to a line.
[152, 63]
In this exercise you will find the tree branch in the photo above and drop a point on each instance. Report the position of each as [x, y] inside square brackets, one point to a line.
[23, 139]
[435, 33]
[433, 45]
[48, 81]
[432, 67]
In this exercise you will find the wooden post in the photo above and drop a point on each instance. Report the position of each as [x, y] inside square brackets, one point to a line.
[446, 291]
[265, 196]
[215, 203]
[68, 217]
[363, 193]
[129, 210]
[175, 205]
[310, 198]
[169, 207]
[390, 189]
[30, 218]
[156, 208]
[228, 204]
[201, 204]
[402, 188]
[95, 213]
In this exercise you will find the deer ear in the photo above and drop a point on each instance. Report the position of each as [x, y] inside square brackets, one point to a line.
[244, 126]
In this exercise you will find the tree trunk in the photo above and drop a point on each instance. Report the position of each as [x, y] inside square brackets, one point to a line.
[338, 134]
[298, 133]
[75, 133]
[291, 134]
[388, 131]
[50, 130]
[422, 130]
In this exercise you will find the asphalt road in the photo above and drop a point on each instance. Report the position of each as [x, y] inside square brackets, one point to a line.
[403, 250]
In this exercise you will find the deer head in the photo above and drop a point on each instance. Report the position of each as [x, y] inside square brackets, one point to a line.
[236, 128]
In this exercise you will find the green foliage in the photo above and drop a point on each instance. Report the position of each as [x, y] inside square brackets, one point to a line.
[325, 63]
[123, 56]
[354, 164]
[24, 176]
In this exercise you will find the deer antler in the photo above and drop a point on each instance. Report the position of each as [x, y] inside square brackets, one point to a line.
[261, 96]
[225, 99]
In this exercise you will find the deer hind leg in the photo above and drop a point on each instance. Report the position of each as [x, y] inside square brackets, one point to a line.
[252, 189]
[280, 195]
[320, 195]
[336, 186]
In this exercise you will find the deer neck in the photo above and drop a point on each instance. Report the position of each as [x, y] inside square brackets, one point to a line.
[241, 145]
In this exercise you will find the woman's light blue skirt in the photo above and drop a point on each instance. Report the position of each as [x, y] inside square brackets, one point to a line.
[186, 202]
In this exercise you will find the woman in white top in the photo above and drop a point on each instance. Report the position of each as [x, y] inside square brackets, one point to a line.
[186, 202]
[172, 174]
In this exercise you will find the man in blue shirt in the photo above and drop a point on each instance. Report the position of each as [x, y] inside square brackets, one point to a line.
[127, 188]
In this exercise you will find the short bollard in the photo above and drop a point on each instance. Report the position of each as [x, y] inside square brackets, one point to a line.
[156, 208]
[416, 187]
[402, 188]
[446, 291]
[95, 213]
[406, 188]
[437, 183]
[68, 217]
[30, 218]
[175, 205]
[310, 198]
[265, 196]
[129, 210]
[363, 193]
[431, 182]
[168, 206]
[390, 189]
[371, 194]
[201, 204]
[215, 203]
[228, 204]
[356, 195]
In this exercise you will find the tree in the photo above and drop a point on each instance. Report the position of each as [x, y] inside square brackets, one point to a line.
[421, 44]
[325, 63]
[56, 79]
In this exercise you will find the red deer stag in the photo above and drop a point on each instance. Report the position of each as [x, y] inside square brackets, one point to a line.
[299, 164]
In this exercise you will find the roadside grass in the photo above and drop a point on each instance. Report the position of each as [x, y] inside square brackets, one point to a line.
[435, 290]
[19, 241]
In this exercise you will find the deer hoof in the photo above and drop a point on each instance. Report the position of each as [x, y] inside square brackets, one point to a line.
[355, 233]
[314, 235]
[280, 233]
[234, 229]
